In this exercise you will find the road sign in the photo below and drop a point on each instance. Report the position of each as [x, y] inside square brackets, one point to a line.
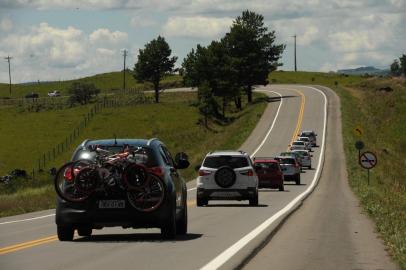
[368, 160]
[359, 145]
[358, 131]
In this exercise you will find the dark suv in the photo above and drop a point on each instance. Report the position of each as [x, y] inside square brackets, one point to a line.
[115, 204]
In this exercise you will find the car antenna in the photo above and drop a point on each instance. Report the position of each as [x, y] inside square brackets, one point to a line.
[115, 139]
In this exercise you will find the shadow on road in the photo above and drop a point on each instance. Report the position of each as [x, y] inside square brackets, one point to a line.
[272, 190]
[271, 99]
[235, 205]
[136, 237]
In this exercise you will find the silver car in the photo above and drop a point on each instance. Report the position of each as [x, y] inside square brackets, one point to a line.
[305, 157]
[298, 145]
[290, 168]
[307, 142]
[311, 135]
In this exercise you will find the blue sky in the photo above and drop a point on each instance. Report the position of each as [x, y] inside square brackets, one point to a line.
[60, 40]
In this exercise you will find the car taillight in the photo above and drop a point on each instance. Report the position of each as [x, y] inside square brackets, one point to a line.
[204, 172]
[248, 173]
[159, 171]
[68, 175]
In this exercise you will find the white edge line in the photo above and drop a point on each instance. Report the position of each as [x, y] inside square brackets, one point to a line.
[231, 251]
[27, 219]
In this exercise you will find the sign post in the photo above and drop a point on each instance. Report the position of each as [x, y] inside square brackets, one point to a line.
[359, 145]
[368, 160]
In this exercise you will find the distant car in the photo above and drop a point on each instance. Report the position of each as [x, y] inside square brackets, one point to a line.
[306, 158]
[290, 168]
[298, 145]
[296, 155]
[269, 173]
[307, 142]
[31, 95]
[227, 175]
[311, 135]
[54, 93]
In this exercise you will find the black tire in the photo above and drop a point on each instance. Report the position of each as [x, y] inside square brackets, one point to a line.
[168, 229]
[225, 177]
[297, 179]
[201, 201]
[181, 223]
[282, 187]
[65, 233]
[254, 199]
[309, 167]
[85, 231]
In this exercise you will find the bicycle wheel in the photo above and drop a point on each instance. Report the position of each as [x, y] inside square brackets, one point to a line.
[150, 196]
[135, 177]
[71, 188]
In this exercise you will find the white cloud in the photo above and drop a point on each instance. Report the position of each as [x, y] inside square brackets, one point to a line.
[105, 36]
[197, 27]
[6, 24]
[45, 52]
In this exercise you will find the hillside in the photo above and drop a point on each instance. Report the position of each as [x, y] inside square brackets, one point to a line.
[106, 82]
[364, 70]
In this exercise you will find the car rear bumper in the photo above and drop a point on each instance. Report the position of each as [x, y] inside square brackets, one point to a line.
[270, 182]
[68, 213]
[226, 194]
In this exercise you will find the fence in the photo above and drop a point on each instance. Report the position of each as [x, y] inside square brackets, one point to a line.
[129, 97]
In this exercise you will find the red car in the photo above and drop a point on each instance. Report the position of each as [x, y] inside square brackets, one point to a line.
[269, 173]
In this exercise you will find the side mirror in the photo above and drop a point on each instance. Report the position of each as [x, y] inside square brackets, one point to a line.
[181, 160]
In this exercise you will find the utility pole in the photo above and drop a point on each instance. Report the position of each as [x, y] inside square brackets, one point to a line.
[8, 58]
[125, 56]
[295, 53]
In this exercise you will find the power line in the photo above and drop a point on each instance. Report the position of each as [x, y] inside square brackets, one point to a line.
[295, 53]
[8, 58]
[125, 56]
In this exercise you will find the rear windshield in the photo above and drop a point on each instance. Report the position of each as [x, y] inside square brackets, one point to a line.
[305, 139]
[267, 165]
[286, 160]
[298, 143]
[219, 161]
[141, 155]
[302, 153]
[306, 134]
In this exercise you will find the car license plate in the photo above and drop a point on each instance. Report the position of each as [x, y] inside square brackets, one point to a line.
[112, 204]
[225, 194]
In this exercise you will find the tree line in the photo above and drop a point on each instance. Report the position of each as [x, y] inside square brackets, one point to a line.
[224, 70]
[398, 67]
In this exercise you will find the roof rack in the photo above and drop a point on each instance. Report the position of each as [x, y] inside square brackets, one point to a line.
[151, 140]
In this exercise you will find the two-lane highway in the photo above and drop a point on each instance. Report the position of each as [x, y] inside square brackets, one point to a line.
[222, 234]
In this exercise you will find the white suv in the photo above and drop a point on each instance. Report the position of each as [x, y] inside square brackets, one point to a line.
[227, 175]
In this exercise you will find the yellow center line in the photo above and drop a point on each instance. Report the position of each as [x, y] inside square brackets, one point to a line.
[28, 244]
[49, 239]
[300, 117]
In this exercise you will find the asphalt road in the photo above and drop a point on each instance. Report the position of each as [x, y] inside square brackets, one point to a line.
[223, 234]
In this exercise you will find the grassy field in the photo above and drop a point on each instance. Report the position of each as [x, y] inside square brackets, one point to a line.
[174, 121]
[106, 82]
[382, 116]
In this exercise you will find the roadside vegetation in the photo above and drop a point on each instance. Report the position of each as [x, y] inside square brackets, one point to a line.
[377, 106]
